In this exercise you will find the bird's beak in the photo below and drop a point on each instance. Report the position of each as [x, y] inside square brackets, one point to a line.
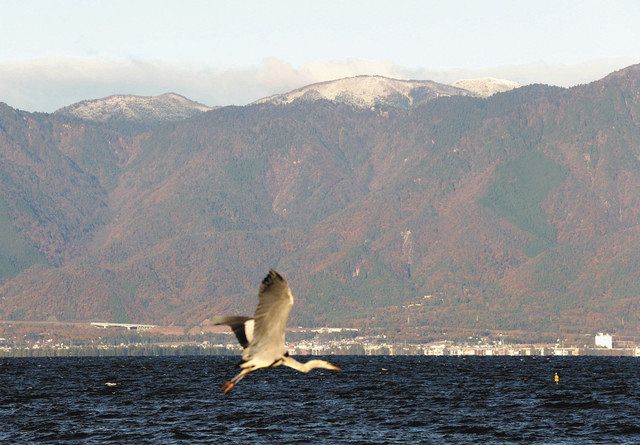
[335, 368]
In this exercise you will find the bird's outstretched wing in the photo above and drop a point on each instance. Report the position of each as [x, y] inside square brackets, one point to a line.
[242, 327]
[270, 318]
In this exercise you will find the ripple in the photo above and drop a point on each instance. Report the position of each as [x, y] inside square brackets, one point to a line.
[415, 399]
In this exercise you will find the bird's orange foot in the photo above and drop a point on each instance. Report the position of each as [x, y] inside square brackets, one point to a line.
[227, 387]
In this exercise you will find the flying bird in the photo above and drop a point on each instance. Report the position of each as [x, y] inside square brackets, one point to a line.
[262, 336]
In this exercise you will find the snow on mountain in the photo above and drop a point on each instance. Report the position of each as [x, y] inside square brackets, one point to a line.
[369, 91]
[147, 110]
[486, 86]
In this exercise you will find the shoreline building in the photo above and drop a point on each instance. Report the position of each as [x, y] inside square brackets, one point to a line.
[603, 340]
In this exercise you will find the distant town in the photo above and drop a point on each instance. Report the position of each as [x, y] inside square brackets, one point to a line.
[51, 339]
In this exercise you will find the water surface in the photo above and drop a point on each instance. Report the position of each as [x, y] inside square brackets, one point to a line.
[373, 400]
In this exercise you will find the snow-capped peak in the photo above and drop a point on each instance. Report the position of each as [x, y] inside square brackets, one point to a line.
[486, 86]
[369, 91]
[138, 109]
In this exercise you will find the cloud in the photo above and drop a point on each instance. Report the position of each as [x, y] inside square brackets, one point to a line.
[46, 84]
[565, 75]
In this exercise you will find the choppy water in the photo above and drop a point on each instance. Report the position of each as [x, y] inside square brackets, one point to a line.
[373, 400]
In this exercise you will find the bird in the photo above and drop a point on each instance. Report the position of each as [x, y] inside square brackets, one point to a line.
[262, 336]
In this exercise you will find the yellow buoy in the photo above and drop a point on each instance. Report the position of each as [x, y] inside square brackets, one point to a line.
[556, 378]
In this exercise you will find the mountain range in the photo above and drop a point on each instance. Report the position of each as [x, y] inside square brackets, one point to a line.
[400, 204]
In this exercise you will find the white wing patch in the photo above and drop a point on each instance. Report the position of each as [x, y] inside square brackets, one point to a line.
[248, 329]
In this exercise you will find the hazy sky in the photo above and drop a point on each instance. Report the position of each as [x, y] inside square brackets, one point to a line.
[57, 52]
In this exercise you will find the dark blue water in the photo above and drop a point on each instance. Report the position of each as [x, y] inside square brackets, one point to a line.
[373, 400]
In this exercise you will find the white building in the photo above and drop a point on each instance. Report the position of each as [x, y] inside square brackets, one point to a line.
[128, 326]
[604, 340]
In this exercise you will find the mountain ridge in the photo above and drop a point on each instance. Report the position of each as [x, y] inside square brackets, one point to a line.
[518, 211]
[486, 86]
[368, 91]
[122, 110]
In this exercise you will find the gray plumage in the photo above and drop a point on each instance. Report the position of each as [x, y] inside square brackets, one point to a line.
[275, 301]
[262, 336]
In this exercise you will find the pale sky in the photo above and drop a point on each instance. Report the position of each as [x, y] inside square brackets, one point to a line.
[220, 52]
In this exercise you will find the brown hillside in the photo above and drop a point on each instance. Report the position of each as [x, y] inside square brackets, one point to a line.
[520, 211]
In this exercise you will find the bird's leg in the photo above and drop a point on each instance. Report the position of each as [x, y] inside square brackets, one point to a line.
[229, 384]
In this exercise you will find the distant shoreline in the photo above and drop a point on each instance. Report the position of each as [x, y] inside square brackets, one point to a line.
[219, 350]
